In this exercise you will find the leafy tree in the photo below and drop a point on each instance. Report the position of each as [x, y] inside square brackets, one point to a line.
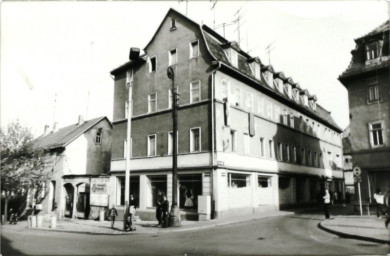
[22, 166]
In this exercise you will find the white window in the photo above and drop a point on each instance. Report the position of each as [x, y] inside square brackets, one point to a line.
[152, 64]
[170, 143]
[292, 120]
[172, 57]
[195, 91]
[270, 148]
[194, 49]
[372, 50]
[280, 151]
[152, 145]
[373, 93]
[262, 153]
[376, 133]
[195, 138]
[152, 102]
[285, 117]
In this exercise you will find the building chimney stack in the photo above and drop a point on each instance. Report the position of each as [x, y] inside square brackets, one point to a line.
[55, 127]
[46, 130]
[81, 120]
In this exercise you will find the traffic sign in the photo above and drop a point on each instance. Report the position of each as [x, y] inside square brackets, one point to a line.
[357, 171]
[357, 178]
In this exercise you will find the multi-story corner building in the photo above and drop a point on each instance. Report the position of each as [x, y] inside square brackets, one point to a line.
[249, 137]
[367, 80]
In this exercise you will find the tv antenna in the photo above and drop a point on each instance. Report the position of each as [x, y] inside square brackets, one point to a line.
[268, 50]
[214, 2]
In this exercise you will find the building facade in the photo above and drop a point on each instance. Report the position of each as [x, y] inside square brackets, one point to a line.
[368, 83]
[249, 137]
[76, 155]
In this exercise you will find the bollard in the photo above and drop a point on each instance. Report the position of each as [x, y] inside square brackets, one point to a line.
[39, 221]
[53, 221]
[101, 215]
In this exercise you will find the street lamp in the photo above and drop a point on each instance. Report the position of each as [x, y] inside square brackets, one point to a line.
[174, 217]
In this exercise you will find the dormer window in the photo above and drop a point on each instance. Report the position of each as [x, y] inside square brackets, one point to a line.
[304, 98]
[312, 102]
[374, 50]
[232, 57]
[279, 84]
[173, 24]
[255, 67]
[269, 77]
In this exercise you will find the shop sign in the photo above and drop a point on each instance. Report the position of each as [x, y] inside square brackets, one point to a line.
[99, 191]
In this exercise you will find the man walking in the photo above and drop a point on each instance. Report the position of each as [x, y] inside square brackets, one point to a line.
[165, 212]
[113, 213]
[326, 203]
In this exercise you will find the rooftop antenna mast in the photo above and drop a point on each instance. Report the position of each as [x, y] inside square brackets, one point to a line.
[268, 50]
[238, 23]
[214, 2]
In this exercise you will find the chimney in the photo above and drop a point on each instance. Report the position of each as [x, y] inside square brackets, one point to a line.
[55, 127]
[81, 120]
[46, 130]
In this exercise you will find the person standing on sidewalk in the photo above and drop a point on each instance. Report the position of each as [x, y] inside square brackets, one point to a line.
[165, 212]
[132, 213]
[379, 199]
[326, 203]
[113, 213]
[159, 212]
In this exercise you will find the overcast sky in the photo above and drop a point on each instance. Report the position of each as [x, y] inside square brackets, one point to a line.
[68, 49]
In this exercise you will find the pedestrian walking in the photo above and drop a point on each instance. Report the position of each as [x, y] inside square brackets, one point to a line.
[379, 199]
[165, 212]
[113, 213]
[326, 203]
[159, 212]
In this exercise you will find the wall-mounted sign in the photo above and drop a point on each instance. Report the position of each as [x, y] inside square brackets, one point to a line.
[99, 191]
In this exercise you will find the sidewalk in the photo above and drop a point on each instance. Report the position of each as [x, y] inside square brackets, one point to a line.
[368, 228]
[142, 226]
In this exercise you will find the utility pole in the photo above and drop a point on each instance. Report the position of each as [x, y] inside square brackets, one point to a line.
[174, 217]
[128, 149]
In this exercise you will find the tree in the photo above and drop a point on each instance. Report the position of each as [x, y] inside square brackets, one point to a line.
[22, 165]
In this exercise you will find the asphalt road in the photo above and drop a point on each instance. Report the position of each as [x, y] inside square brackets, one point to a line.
[288, 235]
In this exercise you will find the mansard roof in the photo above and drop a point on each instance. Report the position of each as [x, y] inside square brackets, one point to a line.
[66, 135]
[216, 45]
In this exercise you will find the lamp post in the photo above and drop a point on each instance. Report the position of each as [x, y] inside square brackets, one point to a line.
[174, 217]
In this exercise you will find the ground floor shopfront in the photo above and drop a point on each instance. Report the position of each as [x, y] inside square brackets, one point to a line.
[232, 190]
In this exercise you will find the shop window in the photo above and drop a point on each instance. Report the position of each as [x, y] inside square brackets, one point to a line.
[237, 180]
[264, 181]
[158, 189]
[284, 182]
[134, 189]
[190, 187]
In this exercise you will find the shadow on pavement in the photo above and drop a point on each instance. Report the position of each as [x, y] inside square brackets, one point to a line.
[7, 249]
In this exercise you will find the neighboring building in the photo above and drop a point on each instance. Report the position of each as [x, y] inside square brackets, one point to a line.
[367, 80]
[347, 166]
[76, 154]
[248, 137]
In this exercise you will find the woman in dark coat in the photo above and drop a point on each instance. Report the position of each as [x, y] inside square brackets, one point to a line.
[165, 212]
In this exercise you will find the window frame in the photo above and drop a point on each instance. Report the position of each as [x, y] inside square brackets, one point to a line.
[192, 149]
[192, 56]
[151, 58]
[373, 95]
[191, 91]
[172, 61]
[98, 136]
[150, 101]
[371, 131]
[155, 145]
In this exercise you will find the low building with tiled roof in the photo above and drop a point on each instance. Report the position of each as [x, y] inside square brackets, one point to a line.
[250, 138]
[76, 156]
[367, 80]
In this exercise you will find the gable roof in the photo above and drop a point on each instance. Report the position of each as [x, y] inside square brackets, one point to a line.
[66, 135]
[378, 30]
